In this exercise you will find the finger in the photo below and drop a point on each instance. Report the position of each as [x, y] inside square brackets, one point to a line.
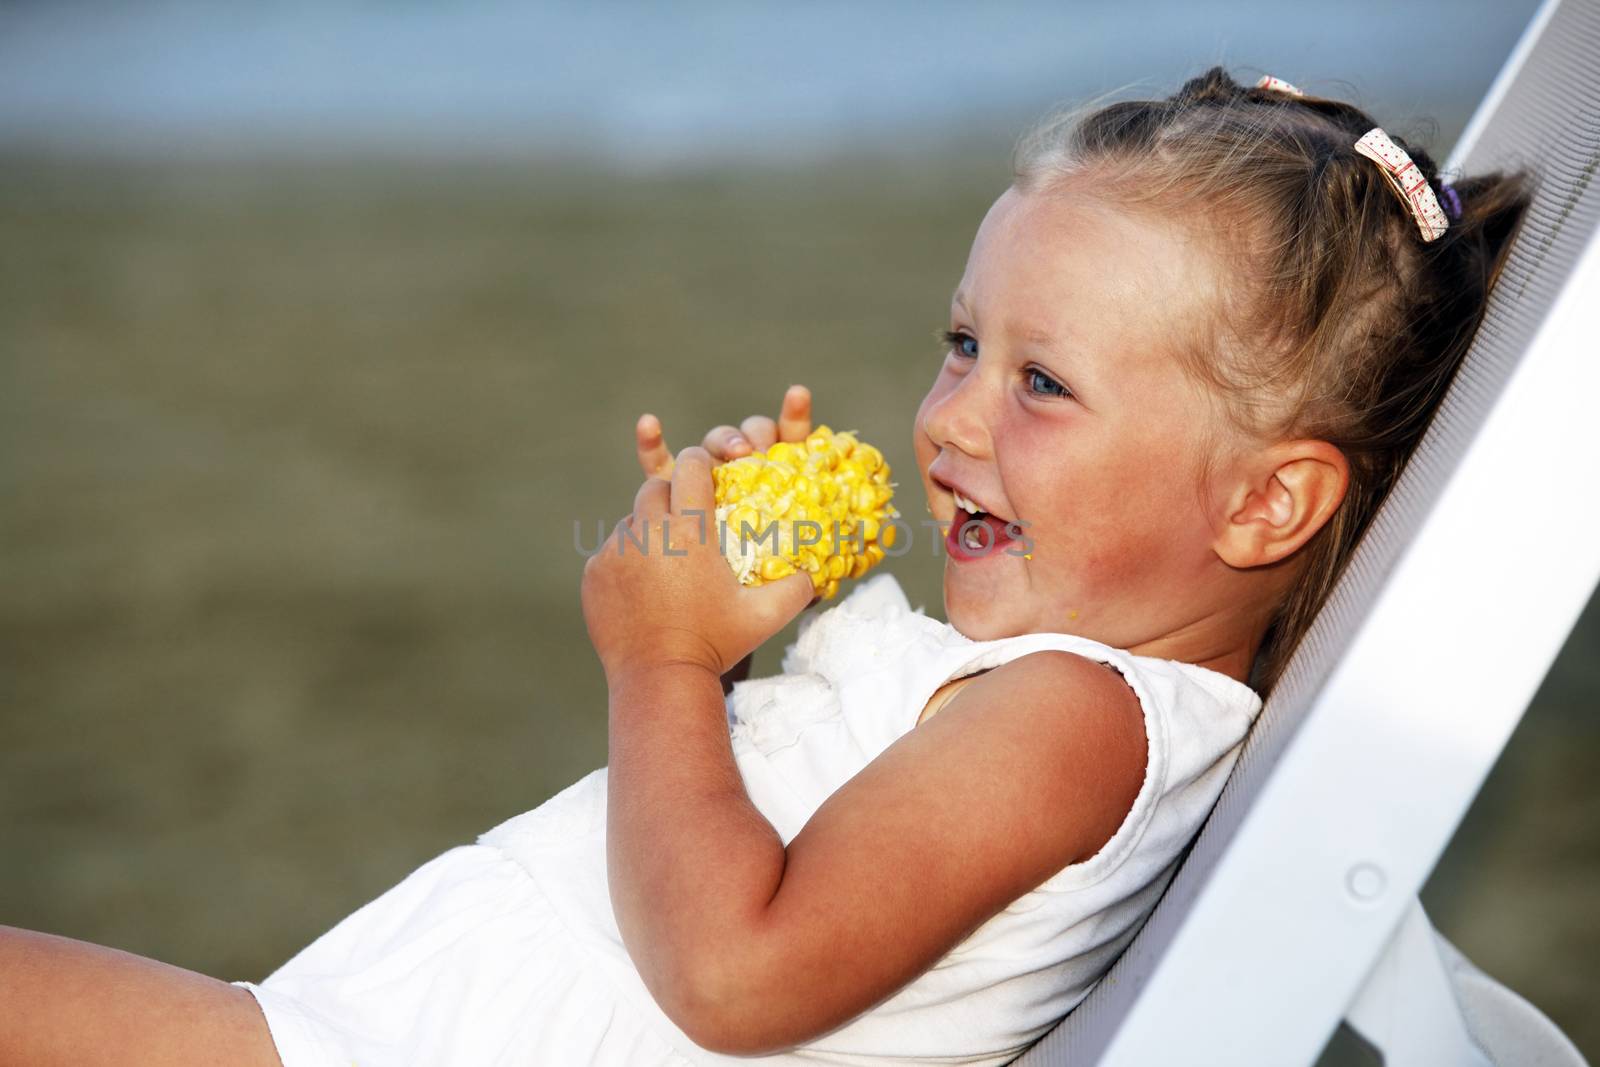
[726, 442]
[650, 502]
[654, 457]
[692, 487]
[794, 421]
[761, 431]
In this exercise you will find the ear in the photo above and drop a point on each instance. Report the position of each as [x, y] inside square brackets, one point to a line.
[1280, 498]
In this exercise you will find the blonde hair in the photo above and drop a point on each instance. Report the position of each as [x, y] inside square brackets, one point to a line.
[1339, 322]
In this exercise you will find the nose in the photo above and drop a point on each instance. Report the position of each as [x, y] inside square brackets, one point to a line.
[958, 416]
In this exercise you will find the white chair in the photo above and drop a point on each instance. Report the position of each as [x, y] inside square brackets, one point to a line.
[1296, 907]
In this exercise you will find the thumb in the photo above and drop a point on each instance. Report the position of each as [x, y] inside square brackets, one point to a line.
[785, 598]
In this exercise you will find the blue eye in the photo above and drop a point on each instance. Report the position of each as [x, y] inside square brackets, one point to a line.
[958, 341]
[1035, 376]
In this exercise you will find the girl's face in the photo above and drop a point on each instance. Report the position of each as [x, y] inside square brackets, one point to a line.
[1061, 408]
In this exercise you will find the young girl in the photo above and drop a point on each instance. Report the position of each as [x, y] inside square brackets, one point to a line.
[1194, 344]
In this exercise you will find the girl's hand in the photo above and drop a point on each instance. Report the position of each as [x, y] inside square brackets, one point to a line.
[659, 591]
[755, 434]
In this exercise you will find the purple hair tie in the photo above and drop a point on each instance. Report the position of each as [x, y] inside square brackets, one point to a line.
[1452, 201]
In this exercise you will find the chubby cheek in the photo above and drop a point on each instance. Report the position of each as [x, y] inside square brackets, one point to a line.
[1107, 526]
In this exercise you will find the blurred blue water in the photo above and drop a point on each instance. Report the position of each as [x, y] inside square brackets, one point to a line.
[653, 84]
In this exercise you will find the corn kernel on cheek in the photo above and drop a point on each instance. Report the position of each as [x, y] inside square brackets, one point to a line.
[777, 510]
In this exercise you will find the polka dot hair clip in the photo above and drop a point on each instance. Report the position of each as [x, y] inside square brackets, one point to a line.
[1398, 170]
[1405, 178]
[1269, 82]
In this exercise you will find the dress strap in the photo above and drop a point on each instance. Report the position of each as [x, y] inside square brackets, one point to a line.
[962, 657]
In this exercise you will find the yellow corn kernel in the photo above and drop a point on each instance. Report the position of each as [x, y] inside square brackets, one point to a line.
[744, 521]
[827, 478]
[775, 567]
[863, 499]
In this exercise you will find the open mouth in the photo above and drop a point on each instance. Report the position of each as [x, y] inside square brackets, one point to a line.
[975, 533]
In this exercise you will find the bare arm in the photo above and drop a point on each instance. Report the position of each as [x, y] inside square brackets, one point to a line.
[73, 1004]
[751, 947]
[690, 860]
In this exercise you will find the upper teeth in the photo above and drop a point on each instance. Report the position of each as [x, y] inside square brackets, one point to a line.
[966, 505]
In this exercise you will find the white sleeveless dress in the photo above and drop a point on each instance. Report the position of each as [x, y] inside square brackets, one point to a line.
[506, 952]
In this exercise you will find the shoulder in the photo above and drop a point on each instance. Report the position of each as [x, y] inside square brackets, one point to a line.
[1087, 716]
[1055, 666]
[1067, 696]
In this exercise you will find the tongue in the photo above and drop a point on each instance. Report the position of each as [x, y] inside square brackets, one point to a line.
[988, 541]
[997, 528]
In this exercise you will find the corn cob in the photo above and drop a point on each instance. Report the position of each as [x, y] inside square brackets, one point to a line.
[763, 501]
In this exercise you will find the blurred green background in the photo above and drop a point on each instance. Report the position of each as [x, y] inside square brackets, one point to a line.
[293, 445]
[293, 456]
